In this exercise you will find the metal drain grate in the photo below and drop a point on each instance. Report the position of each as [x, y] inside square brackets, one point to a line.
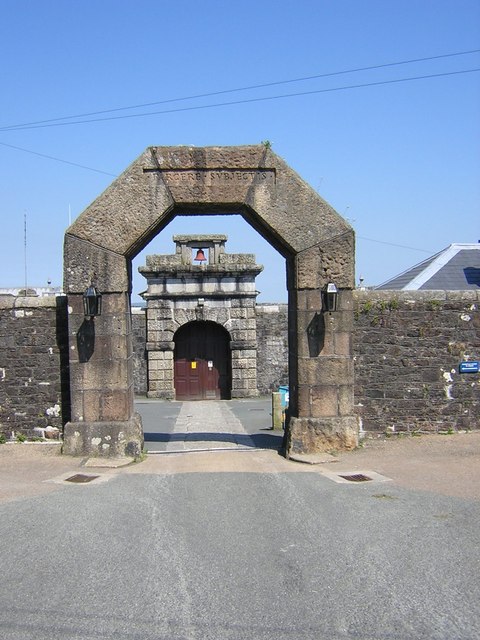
[356, 477]
[81, 478]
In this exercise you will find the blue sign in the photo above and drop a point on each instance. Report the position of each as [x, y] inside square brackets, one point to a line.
[469, 367]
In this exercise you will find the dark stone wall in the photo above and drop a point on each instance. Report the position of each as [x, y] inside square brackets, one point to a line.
[407, 347]
[34, 389]
[272, 347]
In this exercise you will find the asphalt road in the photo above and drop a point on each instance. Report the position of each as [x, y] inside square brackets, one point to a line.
[257, 556]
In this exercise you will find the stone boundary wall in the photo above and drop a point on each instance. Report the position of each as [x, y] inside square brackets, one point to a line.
[272, 347]
[34, 381]
[407, 348]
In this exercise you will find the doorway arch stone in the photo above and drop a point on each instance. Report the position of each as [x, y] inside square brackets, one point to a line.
[317, 243]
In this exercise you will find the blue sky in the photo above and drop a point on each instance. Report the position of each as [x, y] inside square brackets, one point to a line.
[400, 160]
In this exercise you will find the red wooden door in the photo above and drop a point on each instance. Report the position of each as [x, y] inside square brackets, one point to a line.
[202, 362]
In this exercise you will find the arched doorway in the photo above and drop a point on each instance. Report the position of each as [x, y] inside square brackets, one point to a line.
[202, 369]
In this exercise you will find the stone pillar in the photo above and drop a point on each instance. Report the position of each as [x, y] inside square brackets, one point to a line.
[101, 369]
[103, 422]
[244, 369]
[161, 327]
[321, 363]
[243, 329]
[161, 371]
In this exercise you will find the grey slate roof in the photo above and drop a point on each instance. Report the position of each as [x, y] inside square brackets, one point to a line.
[455, 268]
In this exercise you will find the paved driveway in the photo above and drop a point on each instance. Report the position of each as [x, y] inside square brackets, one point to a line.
[205, 425]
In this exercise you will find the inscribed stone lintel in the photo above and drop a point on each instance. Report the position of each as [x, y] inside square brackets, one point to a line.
[213, 176]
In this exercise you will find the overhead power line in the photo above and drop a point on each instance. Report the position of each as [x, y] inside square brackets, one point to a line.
[246, 100]
[44, 155]
[393, 244]
[240, 89]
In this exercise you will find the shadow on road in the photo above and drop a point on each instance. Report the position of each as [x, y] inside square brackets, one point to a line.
[271, 440]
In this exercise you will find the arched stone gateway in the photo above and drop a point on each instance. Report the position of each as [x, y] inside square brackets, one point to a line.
[218, 292]
[252, 181]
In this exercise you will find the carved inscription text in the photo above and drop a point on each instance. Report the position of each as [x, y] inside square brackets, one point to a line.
[210, 177]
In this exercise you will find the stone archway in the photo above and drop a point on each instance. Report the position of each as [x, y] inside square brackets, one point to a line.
[251, 181]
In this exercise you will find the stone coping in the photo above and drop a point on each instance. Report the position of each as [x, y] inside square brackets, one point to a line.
[30, 302]
[200, 237]
[176, 269]
[423, 295]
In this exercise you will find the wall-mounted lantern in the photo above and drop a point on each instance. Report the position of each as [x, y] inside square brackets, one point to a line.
[92, 302]
[331, 297]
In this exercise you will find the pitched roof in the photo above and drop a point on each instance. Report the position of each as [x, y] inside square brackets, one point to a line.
[455, 268]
